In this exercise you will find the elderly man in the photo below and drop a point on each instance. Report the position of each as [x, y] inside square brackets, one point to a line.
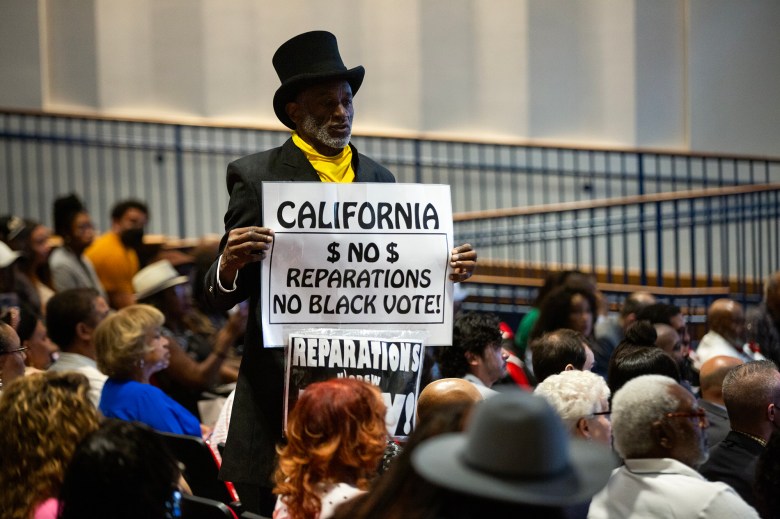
[726, 336]
[315, 101]
[763, 321]
[658, 430]
[751, 393]
[476, 354]
[712, 374]
[71, 319]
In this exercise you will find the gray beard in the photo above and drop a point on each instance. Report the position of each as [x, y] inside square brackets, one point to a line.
[321, 134]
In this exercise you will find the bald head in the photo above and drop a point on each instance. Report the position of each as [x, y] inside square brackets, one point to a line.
[446, 392]
[712, 374]
[726, 317]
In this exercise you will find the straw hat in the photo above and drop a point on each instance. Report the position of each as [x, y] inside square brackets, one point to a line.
[155, 278]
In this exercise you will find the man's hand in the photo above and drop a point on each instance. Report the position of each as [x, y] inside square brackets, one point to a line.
[244, 245]
[463, 261]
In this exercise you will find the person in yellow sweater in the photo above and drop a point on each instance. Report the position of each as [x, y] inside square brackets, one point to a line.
[114, 254]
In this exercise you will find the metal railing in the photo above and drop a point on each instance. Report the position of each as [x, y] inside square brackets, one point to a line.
[706, 236]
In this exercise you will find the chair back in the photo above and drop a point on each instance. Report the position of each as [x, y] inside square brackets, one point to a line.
[201, 469]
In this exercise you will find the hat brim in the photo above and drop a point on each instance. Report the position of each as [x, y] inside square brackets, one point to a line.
[179, 280]
[290, 88]
[8, 257]
[439, 460]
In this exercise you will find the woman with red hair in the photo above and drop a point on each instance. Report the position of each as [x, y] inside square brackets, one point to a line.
[336, 436]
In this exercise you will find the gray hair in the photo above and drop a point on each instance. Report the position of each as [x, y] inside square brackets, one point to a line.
[574, 395]
[635, 406]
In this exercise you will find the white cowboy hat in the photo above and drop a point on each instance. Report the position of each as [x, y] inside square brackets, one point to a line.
[155, 278]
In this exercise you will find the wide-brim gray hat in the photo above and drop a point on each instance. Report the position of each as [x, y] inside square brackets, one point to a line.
[155, 278]
[305, 60]
[517, 450]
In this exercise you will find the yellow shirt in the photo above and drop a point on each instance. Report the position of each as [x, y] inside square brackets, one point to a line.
[330, 169]
[114, 264]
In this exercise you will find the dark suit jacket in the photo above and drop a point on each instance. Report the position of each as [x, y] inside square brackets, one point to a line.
[719, 422]
[256, 422]
[733, 462]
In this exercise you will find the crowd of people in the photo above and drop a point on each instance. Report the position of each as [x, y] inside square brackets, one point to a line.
[579, 413]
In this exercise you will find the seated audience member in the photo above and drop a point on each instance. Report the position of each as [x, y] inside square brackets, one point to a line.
[41, 351]
[130, 348]
[443, 393]
[198, 350]
[637, 355]
[31, 269]
[115, 254]
[768, 479]
[611, 331]
[750, 392]
[659, 432]
[527, 323]
[401, 492]
[581, 399]
[336, 435]
[517, 372]
[711, 377]
[43, 417]
[71, 318]
[664, 313]
[573, 306]
[763, 321]
[70, 268]
[669, 341]
[123, 470]
[514, 458]
[560, 350]
[726, 335]
[12, 355]
[476, 354]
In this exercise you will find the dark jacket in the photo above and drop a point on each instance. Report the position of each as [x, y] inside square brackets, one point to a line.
[733, 462]
[256, 422]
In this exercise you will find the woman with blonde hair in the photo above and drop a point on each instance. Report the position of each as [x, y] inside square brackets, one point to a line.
[131, 348]
[336, 436]
[43, 417]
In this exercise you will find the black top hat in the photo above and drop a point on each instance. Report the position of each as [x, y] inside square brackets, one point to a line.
[306, 59]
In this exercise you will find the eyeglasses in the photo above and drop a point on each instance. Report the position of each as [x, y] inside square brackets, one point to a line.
[701, 414]
[600, 413]
[18, 350]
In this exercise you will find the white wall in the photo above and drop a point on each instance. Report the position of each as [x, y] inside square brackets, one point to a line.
[698, 75]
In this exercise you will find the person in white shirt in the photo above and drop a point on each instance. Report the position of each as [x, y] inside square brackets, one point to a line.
[726, 336]
[658, 430]
[71, 318]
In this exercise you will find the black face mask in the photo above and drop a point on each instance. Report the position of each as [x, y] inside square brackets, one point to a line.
[132, 238]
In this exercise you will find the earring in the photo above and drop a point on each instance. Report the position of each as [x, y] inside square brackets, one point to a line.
[141, 363]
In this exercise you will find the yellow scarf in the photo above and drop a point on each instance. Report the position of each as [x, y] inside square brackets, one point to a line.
[330, 169]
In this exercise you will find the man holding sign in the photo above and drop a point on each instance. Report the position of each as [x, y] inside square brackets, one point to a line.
[315, 101]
